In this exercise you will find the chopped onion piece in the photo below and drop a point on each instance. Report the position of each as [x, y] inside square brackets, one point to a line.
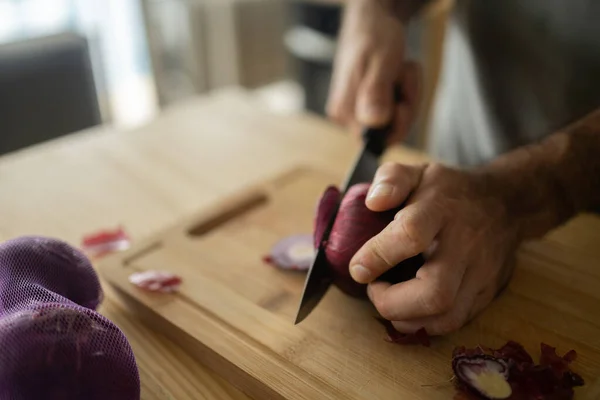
[156, 281]
[486, 375]
[294, 252]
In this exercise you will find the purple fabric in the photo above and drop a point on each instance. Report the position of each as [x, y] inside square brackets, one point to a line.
[53, 344]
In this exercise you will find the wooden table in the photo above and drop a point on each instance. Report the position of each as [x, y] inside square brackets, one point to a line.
[150, 177]
[146, 179]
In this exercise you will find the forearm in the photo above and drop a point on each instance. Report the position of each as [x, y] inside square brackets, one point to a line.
[547, 183]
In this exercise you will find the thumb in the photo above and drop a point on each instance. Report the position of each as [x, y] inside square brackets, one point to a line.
[392, 184]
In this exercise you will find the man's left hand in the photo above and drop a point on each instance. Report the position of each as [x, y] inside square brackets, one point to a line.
[460, 222]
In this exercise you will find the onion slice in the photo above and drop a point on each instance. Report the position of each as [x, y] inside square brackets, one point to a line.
[486, 375]
[295, 252]
[156, 281]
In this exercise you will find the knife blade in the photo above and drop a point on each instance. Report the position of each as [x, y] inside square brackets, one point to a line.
[319, 277]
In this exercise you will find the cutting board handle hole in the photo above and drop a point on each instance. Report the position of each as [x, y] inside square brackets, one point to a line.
[228, 213]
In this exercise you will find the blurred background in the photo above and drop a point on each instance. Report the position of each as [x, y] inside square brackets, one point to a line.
[66, 65]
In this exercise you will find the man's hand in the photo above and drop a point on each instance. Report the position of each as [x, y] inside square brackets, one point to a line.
[458, 220]
[369, 63]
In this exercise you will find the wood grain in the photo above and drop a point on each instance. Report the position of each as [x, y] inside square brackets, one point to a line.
[236, 314]
[192, 155]
[205, 149]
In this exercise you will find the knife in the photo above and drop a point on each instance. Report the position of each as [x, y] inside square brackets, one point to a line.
[319, 277]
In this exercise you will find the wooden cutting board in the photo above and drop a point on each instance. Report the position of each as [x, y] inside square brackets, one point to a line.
[235, 313]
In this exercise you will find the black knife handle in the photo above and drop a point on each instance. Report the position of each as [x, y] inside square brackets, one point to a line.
[376, 138]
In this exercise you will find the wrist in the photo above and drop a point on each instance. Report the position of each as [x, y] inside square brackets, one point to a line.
[528, 185]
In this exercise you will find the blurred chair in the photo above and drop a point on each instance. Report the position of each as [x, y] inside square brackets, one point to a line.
[47, 90]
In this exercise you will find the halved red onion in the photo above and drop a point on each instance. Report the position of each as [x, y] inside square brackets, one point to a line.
[354, 225]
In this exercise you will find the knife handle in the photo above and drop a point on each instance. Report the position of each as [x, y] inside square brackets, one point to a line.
[375, 138]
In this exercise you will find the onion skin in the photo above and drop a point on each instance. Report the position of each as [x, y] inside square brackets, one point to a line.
[551, 379]
[325, 210]
[394, 336]
[354, 225]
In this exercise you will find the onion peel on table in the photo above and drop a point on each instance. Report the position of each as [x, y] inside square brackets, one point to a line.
[395, 336]
[510, 373]
[101, 243]
[156, 281]
[294, 252]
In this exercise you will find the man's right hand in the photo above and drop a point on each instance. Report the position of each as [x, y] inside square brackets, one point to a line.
[369, 62]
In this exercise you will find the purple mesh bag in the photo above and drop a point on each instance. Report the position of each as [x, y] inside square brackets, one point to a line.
[53, 344]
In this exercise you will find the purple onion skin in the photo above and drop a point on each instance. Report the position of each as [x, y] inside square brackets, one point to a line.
[355, 224]
[55, 346]
[325, 210]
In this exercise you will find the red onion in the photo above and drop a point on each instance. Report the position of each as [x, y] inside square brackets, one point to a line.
[486, 375]
[354, 225]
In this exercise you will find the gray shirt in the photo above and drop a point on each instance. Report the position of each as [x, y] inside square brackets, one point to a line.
[514, 71]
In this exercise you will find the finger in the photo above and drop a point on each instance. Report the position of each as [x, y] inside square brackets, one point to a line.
[348, 72]
[432, 292]
[467, 307]
[436, 325]
[355, 129]
[407, 111]
[410, 234]
[392, 184]
[375, 101]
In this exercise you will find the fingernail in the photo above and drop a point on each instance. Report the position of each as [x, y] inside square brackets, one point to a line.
[360, 274]
[381, 190]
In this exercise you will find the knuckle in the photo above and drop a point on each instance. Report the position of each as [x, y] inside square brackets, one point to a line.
[409, 233]
[437, 170]
[437, 301]
[386, 312]
[388, 167]
[385, 308]
[375, 89]
[380, 251]
[390, 171]
[336, 112]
